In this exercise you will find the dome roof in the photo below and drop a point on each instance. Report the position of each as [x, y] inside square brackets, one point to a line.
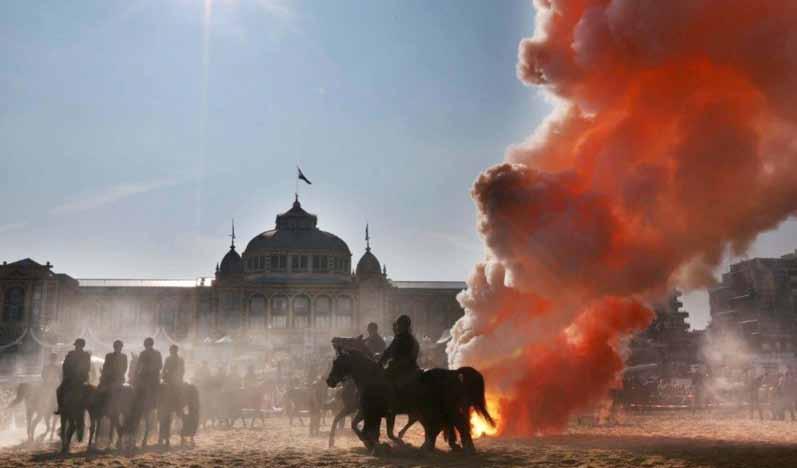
[368, 265]
[297, 229]
[231, 264]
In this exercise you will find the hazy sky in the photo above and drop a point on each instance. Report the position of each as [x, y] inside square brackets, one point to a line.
[133, 131]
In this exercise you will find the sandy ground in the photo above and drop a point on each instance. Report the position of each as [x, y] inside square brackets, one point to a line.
[662, 440]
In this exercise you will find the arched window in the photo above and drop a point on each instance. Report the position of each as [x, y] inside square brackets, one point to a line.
[279, 312]
[323, 312]
[14, 304]
[344, 311]
[257, 313]
[301, 312]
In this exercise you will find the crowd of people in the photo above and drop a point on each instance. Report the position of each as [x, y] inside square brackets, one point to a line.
[762, 392]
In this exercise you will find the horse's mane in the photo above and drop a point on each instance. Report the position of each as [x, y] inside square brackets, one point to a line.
[359, 355]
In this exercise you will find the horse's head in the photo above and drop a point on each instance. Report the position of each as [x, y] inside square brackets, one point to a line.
[356, 344]
[342, 367]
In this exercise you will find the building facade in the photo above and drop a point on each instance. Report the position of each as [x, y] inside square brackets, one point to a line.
[293, 287]
[755, 305]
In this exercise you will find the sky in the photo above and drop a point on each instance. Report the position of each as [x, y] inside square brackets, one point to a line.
[132, 132]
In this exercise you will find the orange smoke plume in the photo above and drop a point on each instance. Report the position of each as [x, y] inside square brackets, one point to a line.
[672, 143]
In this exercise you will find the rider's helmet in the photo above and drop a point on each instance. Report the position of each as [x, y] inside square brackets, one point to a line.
[149, 342]
[402, 323]
[373, 327]
[80, 343]
[117, 345]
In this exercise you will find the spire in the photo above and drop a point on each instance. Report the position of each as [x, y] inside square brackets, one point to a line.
[232, 236]
[384, 270]
[367, 239]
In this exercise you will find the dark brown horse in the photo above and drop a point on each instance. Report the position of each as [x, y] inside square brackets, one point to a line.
[347, 403]
[73, 410]
[114, 404]
[174, 400]
[310, 398]
[39, 402]
[442, 399]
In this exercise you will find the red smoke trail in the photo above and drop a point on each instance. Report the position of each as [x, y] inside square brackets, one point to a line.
[671, 144]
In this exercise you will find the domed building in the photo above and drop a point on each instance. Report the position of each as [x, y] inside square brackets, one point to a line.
[292, 288]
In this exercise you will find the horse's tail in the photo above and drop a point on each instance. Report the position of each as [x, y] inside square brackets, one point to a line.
[23, 391]
[474, 390]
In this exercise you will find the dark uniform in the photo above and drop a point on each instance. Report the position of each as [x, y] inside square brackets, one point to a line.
[75, 372]
[402, 357]
[173, 374]
[173, 370]
[148, 369]
[113, 370]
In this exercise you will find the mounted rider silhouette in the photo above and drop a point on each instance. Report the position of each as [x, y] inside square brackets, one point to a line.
[374, 342]
[75, 371]
[148, 369]
[173, 374]
[402, 355]
[112, 375]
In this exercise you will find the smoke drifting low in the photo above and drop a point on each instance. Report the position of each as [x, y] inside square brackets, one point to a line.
[672, 142]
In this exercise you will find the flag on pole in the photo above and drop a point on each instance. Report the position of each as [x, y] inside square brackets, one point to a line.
[302, 177]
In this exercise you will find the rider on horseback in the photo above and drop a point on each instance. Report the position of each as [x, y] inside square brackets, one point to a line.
[75, 370]
[114, 368]
[374, 342]
[148, 369]
[402, 354]
[173, 368]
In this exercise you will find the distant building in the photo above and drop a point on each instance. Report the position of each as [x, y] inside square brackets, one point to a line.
[755, 302]
[292, 288]
[667, 342]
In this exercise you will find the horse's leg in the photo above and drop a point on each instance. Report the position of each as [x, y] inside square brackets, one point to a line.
[355, 421]
[371, 432]
[93, 423]
[412, 419]
[463, 427]
[29, 422]
[34, 423]
[335, 421]
[390, 423]
[68, 429]
[146, 430]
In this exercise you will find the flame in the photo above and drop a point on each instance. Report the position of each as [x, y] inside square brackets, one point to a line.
[479, 427]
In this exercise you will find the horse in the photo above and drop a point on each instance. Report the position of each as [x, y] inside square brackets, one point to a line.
[173, 400]
[357, 344]
[39, 402]
[145, 402]
[76, 399]
[347, 402]
[114, 403]
[311, 398]
[442, 399]
[161, 398]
